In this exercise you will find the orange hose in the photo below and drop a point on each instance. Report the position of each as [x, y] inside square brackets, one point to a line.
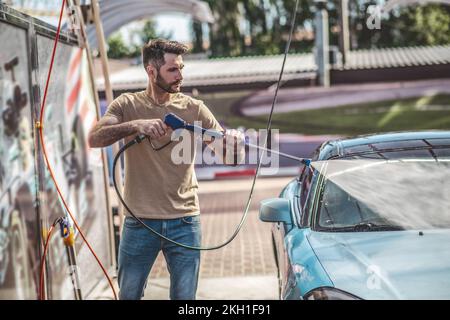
[44, 151]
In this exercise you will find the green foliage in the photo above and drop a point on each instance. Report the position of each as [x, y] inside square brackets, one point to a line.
[117, 48]
[260, 27]
[255, 27]
[432, 24]
[148, 32]
[414, 25]
[225, 37]
[197, 36]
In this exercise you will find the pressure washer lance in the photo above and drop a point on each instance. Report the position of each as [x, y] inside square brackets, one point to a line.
[68, 236]
[176, 122]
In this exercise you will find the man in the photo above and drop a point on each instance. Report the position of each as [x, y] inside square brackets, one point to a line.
[161, 193]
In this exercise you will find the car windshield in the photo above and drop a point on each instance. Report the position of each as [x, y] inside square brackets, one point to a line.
[383, 195]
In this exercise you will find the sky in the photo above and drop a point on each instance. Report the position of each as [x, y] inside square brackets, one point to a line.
[178, 24]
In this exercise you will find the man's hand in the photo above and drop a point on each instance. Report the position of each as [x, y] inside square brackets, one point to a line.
[154, 128]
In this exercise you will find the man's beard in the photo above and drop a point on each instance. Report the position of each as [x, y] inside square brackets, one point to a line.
[163, 85]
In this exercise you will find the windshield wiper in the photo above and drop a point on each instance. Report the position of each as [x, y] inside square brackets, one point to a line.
[366, 227]
[370, 226]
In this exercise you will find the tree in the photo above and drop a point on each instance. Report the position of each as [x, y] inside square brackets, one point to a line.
[118, 50]
[415, 25]
[116, 47]
[197, 37]
[255, 27]
[145, 34]
[225, 37]
[431, 24]
[149, 32]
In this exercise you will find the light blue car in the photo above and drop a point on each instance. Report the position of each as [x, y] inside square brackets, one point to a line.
[368, 219]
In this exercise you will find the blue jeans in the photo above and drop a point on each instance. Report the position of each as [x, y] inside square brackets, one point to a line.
[139, 248]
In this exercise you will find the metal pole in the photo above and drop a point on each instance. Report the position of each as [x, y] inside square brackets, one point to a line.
[108, 88]
[95, 93]
[344, 35]
[322, 44]
[102, 50]
[69, 241]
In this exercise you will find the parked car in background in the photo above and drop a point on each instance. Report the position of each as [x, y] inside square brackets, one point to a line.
[368, 219]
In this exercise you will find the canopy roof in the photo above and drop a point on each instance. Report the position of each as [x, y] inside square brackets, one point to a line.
[116, 13]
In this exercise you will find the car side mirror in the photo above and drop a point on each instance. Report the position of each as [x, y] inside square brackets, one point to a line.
[275, 210]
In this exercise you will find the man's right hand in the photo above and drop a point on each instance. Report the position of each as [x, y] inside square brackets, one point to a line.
[109, 130]
[154, 128]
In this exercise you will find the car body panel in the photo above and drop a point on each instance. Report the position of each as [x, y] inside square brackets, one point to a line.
[305, 271]
[387, 265]
[299, 272]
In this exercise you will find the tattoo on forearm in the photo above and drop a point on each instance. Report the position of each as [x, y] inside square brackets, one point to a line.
[108, 134]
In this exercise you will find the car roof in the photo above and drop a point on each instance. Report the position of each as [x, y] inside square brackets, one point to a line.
[378, 144]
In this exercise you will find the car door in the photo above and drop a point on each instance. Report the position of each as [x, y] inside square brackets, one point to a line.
[278, 234]
[295, 192]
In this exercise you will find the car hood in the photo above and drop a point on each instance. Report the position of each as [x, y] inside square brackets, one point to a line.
[387, 265]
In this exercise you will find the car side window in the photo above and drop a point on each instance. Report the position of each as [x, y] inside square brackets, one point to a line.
[306, 179]
[306, 186]
[309, 201]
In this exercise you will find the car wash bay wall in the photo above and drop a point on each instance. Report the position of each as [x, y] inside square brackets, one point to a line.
[29, 202]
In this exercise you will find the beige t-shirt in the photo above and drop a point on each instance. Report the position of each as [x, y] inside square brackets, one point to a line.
[156, 187]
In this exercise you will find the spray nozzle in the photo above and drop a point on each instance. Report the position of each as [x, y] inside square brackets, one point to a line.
[174, 121]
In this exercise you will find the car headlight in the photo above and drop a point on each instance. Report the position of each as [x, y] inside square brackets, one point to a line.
[327, 293]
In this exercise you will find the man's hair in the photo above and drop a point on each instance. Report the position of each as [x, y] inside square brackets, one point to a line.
[153, 52]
